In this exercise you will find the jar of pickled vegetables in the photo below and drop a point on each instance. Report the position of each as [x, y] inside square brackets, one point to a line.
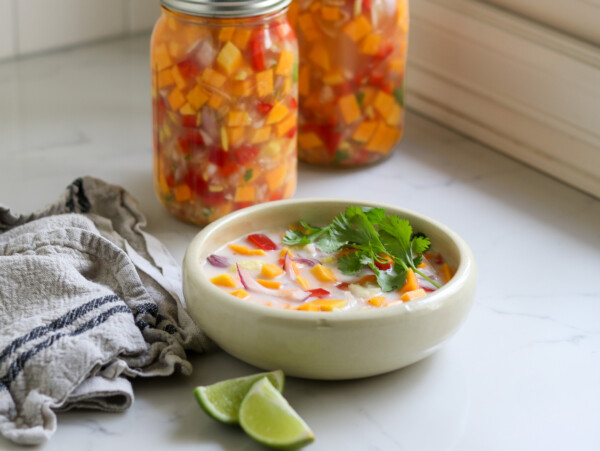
[351, 81]
[224, 92]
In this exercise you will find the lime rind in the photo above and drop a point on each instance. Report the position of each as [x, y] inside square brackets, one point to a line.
[267, 417]
[222, 400]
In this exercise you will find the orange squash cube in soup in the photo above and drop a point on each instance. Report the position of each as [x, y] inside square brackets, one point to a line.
[351, 80]
[225, 97]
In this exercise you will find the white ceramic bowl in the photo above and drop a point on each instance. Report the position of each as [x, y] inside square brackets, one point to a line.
[326, 345]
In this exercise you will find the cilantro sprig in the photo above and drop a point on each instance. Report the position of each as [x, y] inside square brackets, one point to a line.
[369, 236]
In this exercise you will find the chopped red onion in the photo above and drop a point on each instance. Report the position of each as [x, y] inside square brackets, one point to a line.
[218, 261]
[287, 265]
[306, 261]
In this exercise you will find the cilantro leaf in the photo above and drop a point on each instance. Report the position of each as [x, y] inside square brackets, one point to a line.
[350, 263]
[390, 280]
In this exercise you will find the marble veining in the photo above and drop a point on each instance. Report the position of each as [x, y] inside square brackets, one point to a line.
[522, 374]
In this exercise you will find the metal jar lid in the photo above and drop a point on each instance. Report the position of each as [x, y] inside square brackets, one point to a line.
[226, 9]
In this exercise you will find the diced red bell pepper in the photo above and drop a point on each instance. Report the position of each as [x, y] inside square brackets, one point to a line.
[428, 290]
[188, 120]
[318, 292]
[366, 6]
[228, 168]
[245, 154]
[277, 195]
[264, 107]
[331, 138]
[384, 266]
[195, 181]
[342, 286]
[213, 199]
[194, 137]
[184, 146]
[376, 80]
[170, 178]
[257, 50]
[262, 241]
[218, 156]
[291, 133]
[240, 205]
[284, 31]
[388, 88]
[384, 51]
[293, 103]
[188, 69]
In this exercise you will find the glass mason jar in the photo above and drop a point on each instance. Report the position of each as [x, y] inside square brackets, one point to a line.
[351, 81]
[224, 93]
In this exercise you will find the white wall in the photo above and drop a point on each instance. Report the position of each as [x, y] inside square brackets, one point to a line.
[32, 26]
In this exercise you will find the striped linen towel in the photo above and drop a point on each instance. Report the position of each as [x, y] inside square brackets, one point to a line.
[87, 299]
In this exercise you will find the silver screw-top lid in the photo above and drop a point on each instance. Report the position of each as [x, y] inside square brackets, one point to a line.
[225, 9]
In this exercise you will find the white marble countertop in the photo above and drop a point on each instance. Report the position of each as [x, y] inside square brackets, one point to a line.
[522, 374]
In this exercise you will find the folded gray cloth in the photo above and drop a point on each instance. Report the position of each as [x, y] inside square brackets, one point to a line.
[86, 299]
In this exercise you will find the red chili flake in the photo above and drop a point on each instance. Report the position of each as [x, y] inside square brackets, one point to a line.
[262, 241]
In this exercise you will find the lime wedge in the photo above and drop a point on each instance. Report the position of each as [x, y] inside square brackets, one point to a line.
[222, 400]
[267, 417]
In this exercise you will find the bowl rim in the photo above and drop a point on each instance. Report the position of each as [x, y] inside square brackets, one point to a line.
[432, 301]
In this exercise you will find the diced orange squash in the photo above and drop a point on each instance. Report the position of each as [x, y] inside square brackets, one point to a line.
[331, 13]
[224, 280]
[383, 103]
[422, 265]
[368, 279]
[308, 307]
[242, 88]
[333, 78]
[243, 250]
[309, 140]
[358, 28]
[287, 85]
[245, 193]
[261, 134]
[285, 125]
[229, 58]
[271, 270]
[304, 81]
[226, 34]
[176, 99]
[235, 135]
[308, 27]
[187, 110]
[237, 118]
[395, 116]
[323, 273]
[240, 293]
[377, 301]
[396, 66]
[314, 7]
[272, 284]
[370, 44]
[162, 58]
[264, 83]
[182, 193]
[364, 131]
[285, 63]
[349, 108]
[322, 305]
[215, 101]
[412, 295]
[446, 272]
[177, 49]
[412, 282]
[241, 37]
[302, 282]
[383, 138]
[197, 97]
[320, 56]
[165, 78]
[285, 250]
[180, 81]
[277, 113]
[213, 78]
